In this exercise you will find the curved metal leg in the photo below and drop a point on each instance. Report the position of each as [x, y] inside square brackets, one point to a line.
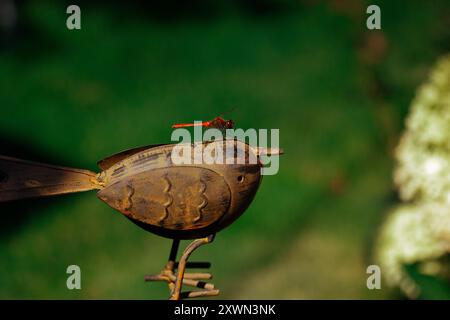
[175, 281]
[176, 294]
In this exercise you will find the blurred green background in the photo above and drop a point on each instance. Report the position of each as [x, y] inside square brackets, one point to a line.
[337, 91]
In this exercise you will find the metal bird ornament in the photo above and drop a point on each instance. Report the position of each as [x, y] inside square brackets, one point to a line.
[176, 201]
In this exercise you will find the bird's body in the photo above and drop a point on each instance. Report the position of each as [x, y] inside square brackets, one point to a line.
[188, 200]
[180, 201]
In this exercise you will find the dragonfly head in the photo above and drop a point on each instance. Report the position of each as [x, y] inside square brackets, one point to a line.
[229, 124]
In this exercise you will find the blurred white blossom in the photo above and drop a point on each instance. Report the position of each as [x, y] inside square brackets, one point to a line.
[419, 230]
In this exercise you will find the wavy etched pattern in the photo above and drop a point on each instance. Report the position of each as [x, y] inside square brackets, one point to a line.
[204, 202]
[128, 204]
[169, 201]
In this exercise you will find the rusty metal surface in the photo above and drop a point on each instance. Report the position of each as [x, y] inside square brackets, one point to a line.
[107, 162]
[21, 179]
[178, 201]
[181, 201]
[175, 198]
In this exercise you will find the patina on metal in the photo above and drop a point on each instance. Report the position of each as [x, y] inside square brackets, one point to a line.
[192, 200]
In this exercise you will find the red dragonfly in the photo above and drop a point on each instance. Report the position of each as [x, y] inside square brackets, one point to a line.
[218, 123]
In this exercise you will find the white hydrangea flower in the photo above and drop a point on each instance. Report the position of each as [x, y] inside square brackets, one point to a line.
[412, 233]
[419, 230]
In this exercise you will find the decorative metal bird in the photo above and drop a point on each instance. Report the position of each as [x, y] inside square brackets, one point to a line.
[176, 201]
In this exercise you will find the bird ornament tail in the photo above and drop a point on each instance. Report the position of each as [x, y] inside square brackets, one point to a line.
[21, 179]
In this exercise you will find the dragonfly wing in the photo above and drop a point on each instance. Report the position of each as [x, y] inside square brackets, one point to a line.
[111, 160]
